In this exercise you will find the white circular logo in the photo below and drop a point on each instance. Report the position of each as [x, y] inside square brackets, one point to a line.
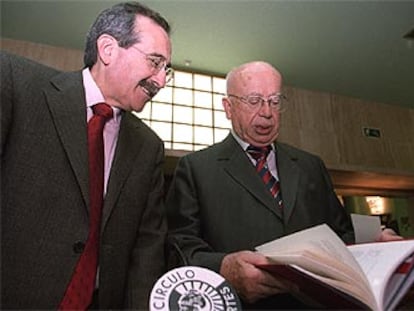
[193, 289]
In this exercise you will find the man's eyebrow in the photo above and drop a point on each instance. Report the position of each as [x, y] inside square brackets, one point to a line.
[157, 55]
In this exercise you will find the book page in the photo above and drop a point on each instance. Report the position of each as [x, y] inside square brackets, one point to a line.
[320, 251]
[321, 238]
[311, 260]
[367, 228]
[380, 260]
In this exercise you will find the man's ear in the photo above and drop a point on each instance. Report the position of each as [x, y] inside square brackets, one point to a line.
[106, 46]
[227, 107]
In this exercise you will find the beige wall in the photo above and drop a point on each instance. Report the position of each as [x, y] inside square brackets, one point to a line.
[326, 124]
[57, 57]
[332, 126]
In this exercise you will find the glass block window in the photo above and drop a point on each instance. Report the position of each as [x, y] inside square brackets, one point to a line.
[188, 114]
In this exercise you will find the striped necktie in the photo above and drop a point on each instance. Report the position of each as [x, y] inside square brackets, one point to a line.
[259, 154]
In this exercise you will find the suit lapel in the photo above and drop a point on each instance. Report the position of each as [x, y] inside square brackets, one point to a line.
[128, 145]
[289, 175]
[237, 165]
[66, 100]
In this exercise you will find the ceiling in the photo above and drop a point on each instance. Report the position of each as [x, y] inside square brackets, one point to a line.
[353, 48]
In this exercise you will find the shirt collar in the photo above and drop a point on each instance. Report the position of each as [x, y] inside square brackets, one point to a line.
[242, 143]
[93, 94]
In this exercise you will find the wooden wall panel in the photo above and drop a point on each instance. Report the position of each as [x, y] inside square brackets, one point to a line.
[354, 148]
[307, 123]
[289, 120]
[57, 57]
[402, 155]
[398, 128]
[350, 116]
[322, 123]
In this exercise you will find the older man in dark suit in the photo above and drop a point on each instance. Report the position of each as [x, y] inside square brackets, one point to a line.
[220, 207]
[46, 212]
[250, 189]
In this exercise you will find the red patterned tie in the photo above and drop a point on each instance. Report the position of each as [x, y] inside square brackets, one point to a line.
[260, 156]
[79, 292]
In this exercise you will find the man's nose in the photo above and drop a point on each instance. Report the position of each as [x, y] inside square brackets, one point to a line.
[265, 109]
[160, 78]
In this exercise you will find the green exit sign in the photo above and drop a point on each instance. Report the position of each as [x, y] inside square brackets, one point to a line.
[371, 132]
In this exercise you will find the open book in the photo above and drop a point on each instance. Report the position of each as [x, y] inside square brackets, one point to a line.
[333, 275]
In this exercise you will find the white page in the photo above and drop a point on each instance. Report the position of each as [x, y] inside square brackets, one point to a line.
[367, 228]
[321, 237]
[379, 261]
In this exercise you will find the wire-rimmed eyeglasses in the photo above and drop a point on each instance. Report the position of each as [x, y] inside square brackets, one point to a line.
[255, 102]
[158, 63]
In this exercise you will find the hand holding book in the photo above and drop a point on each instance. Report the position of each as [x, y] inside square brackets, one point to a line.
[357, 276]
[251, 283]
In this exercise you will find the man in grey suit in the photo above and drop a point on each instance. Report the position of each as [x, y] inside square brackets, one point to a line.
[44, 167]
[219, 208]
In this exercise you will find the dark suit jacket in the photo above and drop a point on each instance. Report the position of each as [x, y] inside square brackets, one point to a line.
[218, 204]
[44, 212]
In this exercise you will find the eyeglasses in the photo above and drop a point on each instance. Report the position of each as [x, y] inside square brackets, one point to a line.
[158, 63]
[255, 102]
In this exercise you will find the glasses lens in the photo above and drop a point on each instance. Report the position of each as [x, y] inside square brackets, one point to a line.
[157, 63]
[254, 101]
[276, 102]
[169, 74]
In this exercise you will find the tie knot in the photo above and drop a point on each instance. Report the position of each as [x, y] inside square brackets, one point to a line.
[258, 152]
[103, 110]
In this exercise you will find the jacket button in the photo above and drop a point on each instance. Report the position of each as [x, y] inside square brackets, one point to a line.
[78, 247]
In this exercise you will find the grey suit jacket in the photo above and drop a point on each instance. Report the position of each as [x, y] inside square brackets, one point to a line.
[218, 204]
[45, 196]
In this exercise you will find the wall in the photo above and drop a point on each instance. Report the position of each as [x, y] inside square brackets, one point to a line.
[332, 126]
[57, 57]
[326, 124]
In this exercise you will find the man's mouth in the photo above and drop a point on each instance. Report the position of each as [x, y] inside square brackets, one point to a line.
[263, 129]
